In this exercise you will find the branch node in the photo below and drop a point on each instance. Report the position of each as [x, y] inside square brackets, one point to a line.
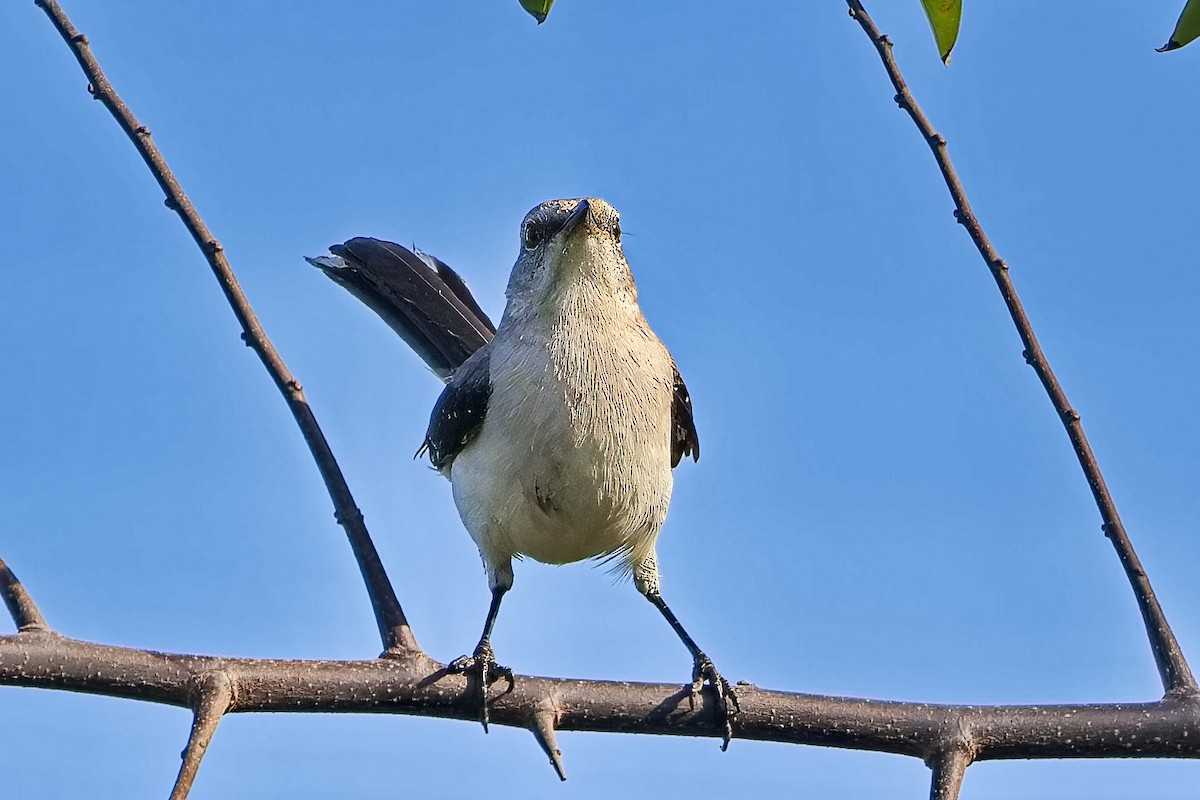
[999, 265]
[354, 515]
[142, 130]
[213, 246]
[79, 39]
[1070, 415]
[545, 718]
[937, 140]
[295, 386]
[960, 217]
[170, 203]
[900, 101]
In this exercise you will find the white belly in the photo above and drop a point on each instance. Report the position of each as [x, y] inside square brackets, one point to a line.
[565, 469]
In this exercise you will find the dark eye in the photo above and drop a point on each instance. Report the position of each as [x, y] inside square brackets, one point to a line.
[617, 230]
[532, 235]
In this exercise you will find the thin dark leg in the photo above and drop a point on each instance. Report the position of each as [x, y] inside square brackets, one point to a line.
[493, 612]
[703, 669]
[481, 665]
[676, 625]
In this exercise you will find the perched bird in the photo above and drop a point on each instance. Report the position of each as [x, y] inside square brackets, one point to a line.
[558, 429]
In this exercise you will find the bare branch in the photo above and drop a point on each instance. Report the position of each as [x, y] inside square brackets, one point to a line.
[1172, 666]
[393, 626]
[416, 685]
[20, 604]
[214, 695]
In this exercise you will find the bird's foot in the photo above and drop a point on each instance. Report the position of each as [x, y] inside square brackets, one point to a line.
[703, 671]
[481, 666]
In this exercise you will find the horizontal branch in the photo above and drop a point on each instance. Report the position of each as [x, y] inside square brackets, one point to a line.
[419, 686]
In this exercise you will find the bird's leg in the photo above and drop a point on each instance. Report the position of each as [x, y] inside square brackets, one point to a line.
[703, 669]
[481, 665]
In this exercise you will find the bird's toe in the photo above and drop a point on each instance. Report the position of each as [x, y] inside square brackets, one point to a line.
[482, 668]
[705, 672]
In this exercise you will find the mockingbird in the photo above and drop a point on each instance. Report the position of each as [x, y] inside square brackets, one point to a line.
[558, 429]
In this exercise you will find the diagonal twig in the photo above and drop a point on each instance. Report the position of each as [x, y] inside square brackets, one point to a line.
[393, 626]
[1168, 656]
[20, 604]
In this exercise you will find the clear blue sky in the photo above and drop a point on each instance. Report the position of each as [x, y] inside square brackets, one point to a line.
[886, 506]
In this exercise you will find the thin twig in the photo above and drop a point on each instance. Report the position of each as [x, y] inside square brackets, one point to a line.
[214, 695]
[20, 604]
[393, 626]
[1172, 666]
[948, 770]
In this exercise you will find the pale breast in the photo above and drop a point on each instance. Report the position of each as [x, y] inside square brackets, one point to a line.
[573, 459]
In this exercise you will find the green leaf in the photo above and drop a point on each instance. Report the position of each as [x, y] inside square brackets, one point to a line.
[944, 16]
[539, 9]
[1186, 29]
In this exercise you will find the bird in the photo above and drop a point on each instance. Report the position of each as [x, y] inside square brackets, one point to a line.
[560, 428]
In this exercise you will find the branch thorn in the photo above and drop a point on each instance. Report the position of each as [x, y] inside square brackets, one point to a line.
[949, 767]
[544, 720]
[213, 697]
[20, 604]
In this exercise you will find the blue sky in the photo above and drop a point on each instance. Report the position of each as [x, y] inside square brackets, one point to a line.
[886, 506]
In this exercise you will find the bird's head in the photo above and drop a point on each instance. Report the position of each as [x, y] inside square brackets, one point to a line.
[566, 242]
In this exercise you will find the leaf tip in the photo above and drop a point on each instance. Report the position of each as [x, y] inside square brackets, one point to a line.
[538, 9]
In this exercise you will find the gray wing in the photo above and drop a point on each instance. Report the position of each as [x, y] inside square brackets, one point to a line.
[684, 439]
[459, 411]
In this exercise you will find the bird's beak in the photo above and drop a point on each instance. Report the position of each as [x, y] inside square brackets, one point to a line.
[577, 215]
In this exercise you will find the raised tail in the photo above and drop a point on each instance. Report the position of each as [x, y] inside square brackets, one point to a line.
[421, 298]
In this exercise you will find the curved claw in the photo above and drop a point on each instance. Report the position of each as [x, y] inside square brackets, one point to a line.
[482, 666]
[704, 671]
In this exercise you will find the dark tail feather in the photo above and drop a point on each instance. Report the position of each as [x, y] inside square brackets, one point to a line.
[421, 298]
